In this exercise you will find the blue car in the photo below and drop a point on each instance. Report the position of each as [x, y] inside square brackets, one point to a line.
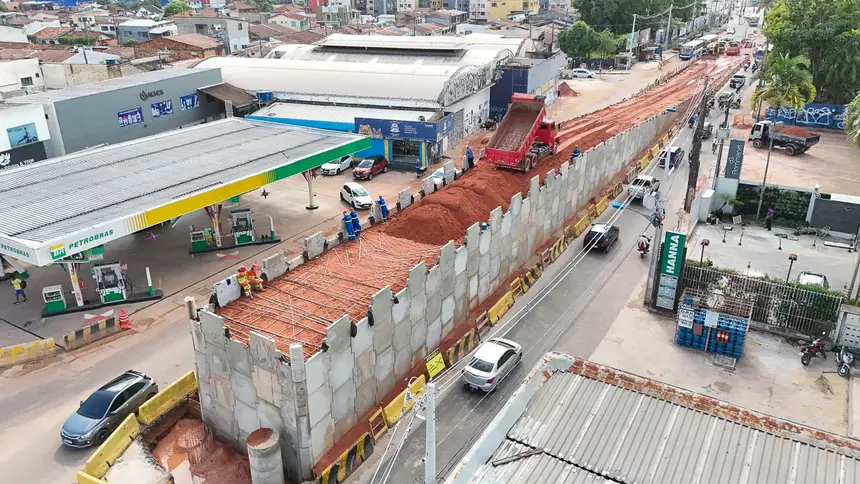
[106, 408]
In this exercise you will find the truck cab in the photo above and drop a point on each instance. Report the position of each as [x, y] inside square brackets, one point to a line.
[523, 136]
[794, 140]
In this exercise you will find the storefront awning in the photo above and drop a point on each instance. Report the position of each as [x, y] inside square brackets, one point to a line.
[228, 92]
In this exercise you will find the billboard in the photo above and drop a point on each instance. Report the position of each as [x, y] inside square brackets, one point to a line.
[22, 135]
[405, 130]
[671, 267]
[735, 159]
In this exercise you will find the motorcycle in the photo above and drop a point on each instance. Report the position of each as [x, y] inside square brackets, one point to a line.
[844, 362]
[811, 350]
[644, 246]
[714, 146]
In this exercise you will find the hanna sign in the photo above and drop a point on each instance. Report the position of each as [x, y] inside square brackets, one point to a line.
[671, 265]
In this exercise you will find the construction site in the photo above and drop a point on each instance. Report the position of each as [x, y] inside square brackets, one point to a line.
[336, 334]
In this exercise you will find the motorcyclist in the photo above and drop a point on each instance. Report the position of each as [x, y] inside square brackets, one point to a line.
[692, 120]
[714, 145]
[644, 243]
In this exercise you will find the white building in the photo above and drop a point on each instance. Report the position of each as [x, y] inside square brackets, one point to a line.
[406, 5]
[20, 77]
[13, 34]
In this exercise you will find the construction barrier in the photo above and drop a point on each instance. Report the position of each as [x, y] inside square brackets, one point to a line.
[602, 205]
[615, 190]
[664, 140]
[495, 313]
[532, 275]
[461, 348]
[24, 352]
[167, 398]
[107, 453]
[397, 407]
[357, 453]
[654, 151]
[482, 324]
[377, 424]
[580, 226]
[518, 288]
[84, 478]
[592, 211]
[557, 248]
[88, 334]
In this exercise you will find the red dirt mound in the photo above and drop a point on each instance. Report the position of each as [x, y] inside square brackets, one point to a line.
[564, 90]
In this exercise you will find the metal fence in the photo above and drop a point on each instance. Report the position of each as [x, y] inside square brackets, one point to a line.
[776, 304]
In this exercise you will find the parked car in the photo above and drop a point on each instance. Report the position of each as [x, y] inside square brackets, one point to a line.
[493, 361]
[106, 408]
[601, 236]
[583, 73]
[813, 279]
[369, 167]
[355, 195]
[738, 80]
[334, 167]
[730, 31]
[707, 130]
[438, 177]
[672, 154]
[643, 185]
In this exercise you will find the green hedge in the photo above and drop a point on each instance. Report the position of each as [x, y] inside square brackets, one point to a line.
[790, 205]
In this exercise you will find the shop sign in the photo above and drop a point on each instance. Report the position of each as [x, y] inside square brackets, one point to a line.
[22, 135]
[645, 36]
[671, 265]
[61, 250]
[129, 117]
[23, 155]
[396, 130]
[162, 108]
[735, 159]
[16, 251]
[188, 102]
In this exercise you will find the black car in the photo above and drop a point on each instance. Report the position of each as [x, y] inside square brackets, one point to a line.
[673, 154]
[600, 236]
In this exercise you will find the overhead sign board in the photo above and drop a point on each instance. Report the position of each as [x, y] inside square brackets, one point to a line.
[671, 267]
[405, 130]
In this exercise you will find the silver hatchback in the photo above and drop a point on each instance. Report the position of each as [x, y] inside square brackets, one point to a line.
[493, 361]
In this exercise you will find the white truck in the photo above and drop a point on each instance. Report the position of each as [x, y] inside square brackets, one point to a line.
[642, 185]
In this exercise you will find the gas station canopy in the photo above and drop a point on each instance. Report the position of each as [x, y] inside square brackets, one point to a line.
[63, 206]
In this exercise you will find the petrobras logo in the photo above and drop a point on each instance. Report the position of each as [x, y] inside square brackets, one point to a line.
[58, 251]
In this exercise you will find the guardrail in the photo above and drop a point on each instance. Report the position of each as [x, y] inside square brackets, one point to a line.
[25, 352]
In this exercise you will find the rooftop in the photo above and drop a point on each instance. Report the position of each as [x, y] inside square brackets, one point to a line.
[337, 114]
[92, 197]
[51, 33]
[196, 40]
[144, 22]
[100, 87]
[442, 42]
[574, 421]
[472, 57]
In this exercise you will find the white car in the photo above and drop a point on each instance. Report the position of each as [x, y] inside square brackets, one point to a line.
[355, 195]
[730, 31]
[493, 361]
[438, 177]
[583, 73]
[336, 166]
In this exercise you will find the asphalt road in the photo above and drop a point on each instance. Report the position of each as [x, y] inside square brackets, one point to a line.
[570, 310]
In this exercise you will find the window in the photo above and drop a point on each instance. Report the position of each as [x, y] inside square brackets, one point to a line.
[240, 25]
[525, 5]
[117, 402]
[37, 75]
[493, 4]
[26, 81]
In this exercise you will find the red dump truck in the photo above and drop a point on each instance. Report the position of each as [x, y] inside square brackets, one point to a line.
[523, 136]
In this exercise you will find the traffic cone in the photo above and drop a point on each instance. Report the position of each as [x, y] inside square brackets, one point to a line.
[123, 320]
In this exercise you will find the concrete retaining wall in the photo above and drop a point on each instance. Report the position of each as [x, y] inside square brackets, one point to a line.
[313, 404]
[22, 353]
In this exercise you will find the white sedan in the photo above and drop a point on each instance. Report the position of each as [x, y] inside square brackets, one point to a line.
[494, 360]
[355, 195]
[336, 166]
[583, 73]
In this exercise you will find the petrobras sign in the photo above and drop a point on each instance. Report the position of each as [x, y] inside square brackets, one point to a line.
[65, 249]
[17, 251]
[671, 267]
[78, 244]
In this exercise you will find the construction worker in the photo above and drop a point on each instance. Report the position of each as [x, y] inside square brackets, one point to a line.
[347, 225]
[383, 208]
[242, 278]
[356, 224]
[418, 167]
[470, 156]
[576, 153]
[255, 280]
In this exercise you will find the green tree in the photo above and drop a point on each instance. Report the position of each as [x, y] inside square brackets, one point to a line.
[77, 40]
[826, 32]
[852, 121]
[606, 44]
[787, 82]
[3, 7]
[263, 5]
[130, 43]
[579, 40]
[176, 7]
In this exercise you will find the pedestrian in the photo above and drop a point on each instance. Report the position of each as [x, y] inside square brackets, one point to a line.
[575, 154]
[768, 220]
[418, 168]
[19, 286]
[470, 156]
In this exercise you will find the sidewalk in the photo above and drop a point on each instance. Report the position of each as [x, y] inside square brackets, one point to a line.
[768, 377]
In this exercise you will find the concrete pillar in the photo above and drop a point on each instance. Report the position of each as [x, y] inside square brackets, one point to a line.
[264, 457]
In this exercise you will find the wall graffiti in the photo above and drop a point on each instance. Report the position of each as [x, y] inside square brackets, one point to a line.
[814, 115]
[465, 83]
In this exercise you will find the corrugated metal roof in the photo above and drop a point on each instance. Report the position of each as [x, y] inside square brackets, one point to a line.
[48, 97]
[472, 57]
[535, 469]
[337, 114]
[228, 92]
[380, 81]
[439, 42]
[631, 437]
[63, 195]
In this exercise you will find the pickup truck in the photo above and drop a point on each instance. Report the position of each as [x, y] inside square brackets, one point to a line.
[793, 140]
[523, 135]
[642, 185]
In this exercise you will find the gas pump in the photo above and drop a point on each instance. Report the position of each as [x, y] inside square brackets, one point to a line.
[55, 301]
[243, 226]
[111, 282]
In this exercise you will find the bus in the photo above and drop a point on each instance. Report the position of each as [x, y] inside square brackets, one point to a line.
[709, 39]
[691, 49]
[711, 45]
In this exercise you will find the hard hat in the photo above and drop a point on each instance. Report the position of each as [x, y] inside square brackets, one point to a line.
[242, 269]
[253, 266]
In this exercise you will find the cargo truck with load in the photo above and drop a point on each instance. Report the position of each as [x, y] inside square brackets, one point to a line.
[792, 139]
[523, 136]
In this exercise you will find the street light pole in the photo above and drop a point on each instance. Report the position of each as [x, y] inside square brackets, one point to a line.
[791, 258]
[630, 50]
[696, 150]
[766, 166]
[720, 149]
[430, 434]
[668, 26]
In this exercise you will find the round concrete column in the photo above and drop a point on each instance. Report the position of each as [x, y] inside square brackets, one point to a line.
[264, 456]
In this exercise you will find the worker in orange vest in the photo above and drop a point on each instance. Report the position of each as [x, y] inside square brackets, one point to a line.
[255, 280]
[242, 278]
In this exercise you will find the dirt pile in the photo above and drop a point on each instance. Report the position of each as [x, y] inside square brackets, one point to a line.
[795, 131]
[564, 90]
[446, 215]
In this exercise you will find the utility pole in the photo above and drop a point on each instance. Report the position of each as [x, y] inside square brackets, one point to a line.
[772, 129]
[668, 27]
[430, 434]
[696, 150]
[630, 50]
[722, 142]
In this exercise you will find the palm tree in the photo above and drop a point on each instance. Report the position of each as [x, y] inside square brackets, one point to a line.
[787, 82]
[852, 121]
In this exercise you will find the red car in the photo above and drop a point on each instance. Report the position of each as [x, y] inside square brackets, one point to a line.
[369, 167]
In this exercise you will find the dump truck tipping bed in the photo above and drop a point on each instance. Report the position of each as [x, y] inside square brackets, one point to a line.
[516, 126]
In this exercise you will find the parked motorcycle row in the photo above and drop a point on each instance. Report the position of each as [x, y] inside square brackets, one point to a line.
[844, 355]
